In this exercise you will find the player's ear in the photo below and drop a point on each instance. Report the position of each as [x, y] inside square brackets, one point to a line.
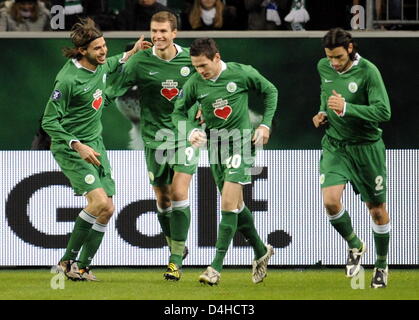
[82, 51]
[350, 48]
[217, 57]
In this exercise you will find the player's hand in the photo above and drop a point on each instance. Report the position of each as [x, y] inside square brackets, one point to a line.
[87, 153]
[320, 119]
[199, 116]
[336, 102]
[198, 138]
[141, 44]
[261, 136]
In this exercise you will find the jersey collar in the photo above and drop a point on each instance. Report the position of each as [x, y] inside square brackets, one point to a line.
[223, 68]
[354, 63]
[178, 49]
[79, 66]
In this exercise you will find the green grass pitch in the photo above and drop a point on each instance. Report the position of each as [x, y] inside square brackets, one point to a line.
[236, 284]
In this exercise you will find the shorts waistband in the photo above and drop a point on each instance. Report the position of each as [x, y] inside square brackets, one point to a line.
[341, 143]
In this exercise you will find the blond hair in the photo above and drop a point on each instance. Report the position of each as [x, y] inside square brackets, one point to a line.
[165, 16]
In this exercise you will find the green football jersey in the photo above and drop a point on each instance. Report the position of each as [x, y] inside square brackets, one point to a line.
[74, 109]
[159, 83]
[366, 99]
[224, 101]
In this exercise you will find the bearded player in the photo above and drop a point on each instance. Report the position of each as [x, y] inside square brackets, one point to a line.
[353, 102]
[72, 119]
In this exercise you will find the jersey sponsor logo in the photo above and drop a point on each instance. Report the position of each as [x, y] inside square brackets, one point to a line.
[89, 179]
[169, 90]
[56, 95]
[97, 102]
[221, 109]
[231, 87]
[353, 87]
[185, 71]
[203, 95]
[327, 81]
[152, 73]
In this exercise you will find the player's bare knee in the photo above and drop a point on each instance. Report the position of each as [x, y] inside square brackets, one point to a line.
[179, 195]
[379, 215]
[105, 216]
[163, 201]
[228, 205]
[332, 207]
[100, 204]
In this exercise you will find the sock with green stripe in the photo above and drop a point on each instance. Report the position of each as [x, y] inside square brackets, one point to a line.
[81, 229]
[226, 230]
[179, 227]
[91, 245]
[381, 241]
[164, 215]
[246, 226]
[343, 224]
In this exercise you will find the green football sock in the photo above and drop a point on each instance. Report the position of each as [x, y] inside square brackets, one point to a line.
[343, 224]
[246, 226]
[163, 215]
[179, 226]
[226, 231]
[82, 226]
[91, 245]
[381, 240]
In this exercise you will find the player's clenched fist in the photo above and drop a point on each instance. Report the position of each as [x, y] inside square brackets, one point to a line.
[319, 119]
[198, 138]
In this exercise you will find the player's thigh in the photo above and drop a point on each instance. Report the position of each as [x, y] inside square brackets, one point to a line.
[104, 170]
[184, 163]
[162, 194]
[369, 175]
[334, 169]
[180, 186]
[186, 156]
[158, 168]
[332, 196]
[231, 196]
[83, 176]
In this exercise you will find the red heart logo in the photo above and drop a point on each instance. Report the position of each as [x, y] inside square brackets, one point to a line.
[223, 113]
[169, 94]
[97, 103]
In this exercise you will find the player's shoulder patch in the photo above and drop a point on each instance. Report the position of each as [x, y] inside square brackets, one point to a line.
[56, 95]
[180, 94]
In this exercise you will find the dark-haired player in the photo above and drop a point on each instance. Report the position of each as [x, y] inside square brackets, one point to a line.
[353, 103]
